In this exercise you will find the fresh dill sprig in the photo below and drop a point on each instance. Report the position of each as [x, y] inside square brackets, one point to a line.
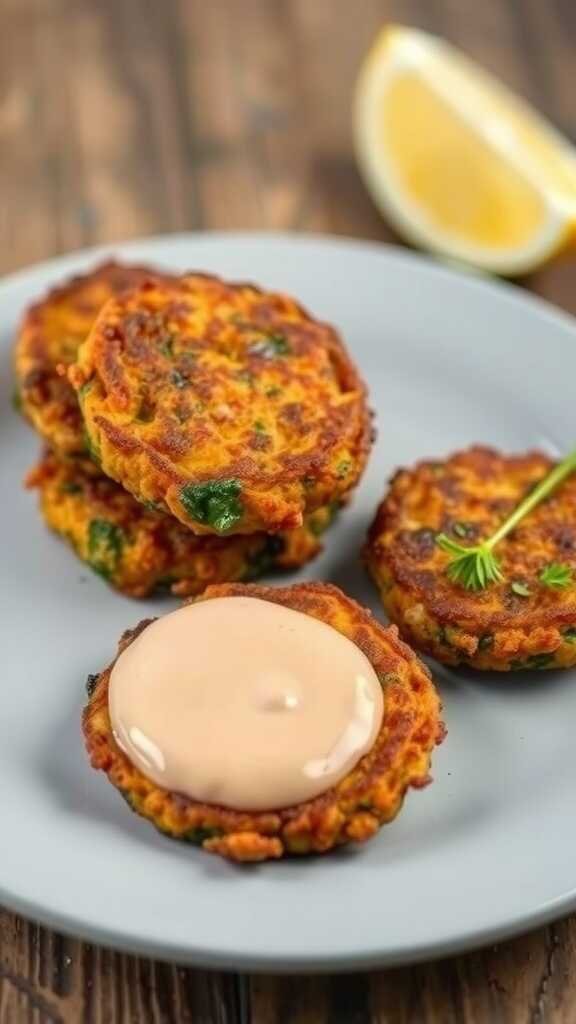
[476, 567]
[556, 575]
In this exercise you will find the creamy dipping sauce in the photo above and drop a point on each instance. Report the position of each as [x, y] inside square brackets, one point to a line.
[244, 703]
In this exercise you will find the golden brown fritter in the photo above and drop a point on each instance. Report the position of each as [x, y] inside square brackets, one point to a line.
[519, 623]
[138, 550]
[352, 811]
[47, 342]
[227, 405]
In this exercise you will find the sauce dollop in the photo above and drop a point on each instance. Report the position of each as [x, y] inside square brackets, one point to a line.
[244, 703]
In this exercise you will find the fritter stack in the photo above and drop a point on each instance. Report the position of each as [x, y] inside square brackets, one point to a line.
[196, 431]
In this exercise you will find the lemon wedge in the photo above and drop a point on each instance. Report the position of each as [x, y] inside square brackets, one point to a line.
[458, 163]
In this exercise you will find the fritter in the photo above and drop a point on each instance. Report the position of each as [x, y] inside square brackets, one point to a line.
[47, 342]
[352, 811]
[138, 550]
[519, 623]
[229, 406]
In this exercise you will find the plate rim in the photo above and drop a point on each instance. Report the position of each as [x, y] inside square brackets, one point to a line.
[263, 964]
[223, 958]
[507, 288]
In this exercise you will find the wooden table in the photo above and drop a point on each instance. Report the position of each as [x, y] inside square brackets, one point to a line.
[121, 118]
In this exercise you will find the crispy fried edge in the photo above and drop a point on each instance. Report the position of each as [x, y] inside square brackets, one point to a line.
[69, 439]
[244, 552]
[365, 799]
[124, 445]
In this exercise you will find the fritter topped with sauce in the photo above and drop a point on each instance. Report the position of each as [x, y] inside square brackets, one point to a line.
[47, 342]
[138, 550]
[225, 405]
[353, 810]
[522, 622]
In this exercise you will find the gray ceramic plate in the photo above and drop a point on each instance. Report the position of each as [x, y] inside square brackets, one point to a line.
[490, 848]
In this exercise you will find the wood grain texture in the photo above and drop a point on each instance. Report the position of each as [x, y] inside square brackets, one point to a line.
[121, 118]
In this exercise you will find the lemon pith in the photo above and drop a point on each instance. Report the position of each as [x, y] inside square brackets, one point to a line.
[458, 163]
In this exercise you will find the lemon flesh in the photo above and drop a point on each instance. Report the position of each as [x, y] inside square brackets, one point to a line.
[456, 161]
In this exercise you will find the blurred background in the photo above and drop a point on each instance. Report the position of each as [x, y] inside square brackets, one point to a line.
[121, 118]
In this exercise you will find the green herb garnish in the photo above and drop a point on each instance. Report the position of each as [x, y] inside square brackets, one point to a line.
[535, 661]
[214, 502]
[154, 506]
[485, 642]
[105, 545]
[269, 347]
[260, 427]
[463, 530]
[519, 588]
[69, 487]
[91, 447]
[570, 635]
[342, 469]
[178, 379]
[83, 391]
[556, 575]
[200, 835]
[166, 346]
[476, 567]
